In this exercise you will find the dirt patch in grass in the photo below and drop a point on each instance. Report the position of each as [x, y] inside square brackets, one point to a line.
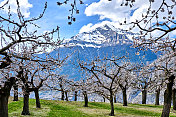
[103, 112]
[94, 111]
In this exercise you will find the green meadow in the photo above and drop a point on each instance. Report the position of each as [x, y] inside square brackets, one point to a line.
[53, 108]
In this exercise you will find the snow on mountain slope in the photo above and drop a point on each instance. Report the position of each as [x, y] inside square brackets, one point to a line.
[106, 35]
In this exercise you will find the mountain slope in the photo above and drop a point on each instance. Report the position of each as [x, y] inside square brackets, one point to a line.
[103, 41]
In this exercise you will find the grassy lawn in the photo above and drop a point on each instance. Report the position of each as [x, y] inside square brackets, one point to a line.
[51, 108]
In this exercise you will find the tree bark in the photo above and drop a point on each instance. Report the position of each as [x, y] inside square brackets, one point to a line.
[115, 100]
[25, 104]
[4, 95]
[85, 99]
[112, 104]
[173, 99]
[38, 105]
[104, 99]
[3, 105]
[66, 96]
[168, 97]
[124, 97]
[76, 94]
[15, 98]
[62, 97]
[144, 96]
[157, 96]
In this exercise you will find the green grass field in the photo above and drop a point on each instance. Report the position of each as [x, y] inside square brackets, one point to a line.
[52, 108]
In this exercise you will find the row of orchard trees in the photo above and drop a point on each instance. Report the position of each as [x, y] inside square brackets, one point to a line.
[108, 76]
[21, 66]
[103, 76]
[160, 20]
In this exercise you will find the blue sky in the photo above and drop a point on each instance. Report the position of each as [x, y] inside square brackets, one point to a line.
[57, 16]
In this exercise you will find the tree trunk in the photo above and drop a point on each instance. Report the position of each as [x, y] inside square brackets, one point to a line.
[157, 96]
[112, 104]
[25, 104]
[4, 95]
[37, 98]
[15, 98]
[85, 99]
[115, 100]
[124, 97]
[144, 96]
[66, 96]
[173, 99]
[3, 105]
[168, 97]
[62, 97]
[104, 99]
[76, 94]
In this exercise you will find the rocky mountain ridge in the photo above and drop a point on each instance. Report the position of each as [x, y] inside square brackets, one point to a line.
[103, 36]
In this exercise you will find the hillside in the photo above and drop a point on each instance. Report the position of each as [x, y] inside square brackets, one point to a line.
[52, 108]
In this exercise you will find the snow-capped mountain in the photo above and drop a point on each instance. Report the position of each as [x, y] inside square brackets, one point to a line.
[106, 35]
[102, 41]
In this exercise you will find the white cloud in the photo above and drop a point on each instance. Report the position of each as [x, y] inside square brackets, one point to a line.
[106, 9]
[113, 11]
[86, 28]
[116, 13]
[24, 6]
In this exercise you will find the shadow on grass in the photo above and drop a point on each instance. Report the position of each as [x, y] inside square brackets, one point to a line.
[125, 110]
[146, 105]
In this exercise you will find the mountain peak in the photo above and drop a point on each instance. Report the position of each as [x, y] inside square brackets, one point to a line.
[105, 35]
[105, 27]
[109, 26]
